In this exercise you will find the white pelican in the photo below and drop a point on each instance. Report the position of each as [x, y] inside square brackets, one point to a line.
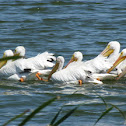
[7, 53]
[71, 74]
[23, 67]
[120, 63]
[103, 61]
[99, 64]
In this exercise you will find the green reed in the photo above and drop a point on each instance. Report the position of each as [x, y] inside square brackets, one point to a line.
[56, 122]
[10, 58]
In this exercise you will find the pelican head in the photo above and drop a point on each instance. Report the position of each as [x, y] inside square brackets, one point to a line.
[121, 74]
[113, 46]
[7, 53]
[58, 66]
[121, 58]
[77, 56]
[19, 51]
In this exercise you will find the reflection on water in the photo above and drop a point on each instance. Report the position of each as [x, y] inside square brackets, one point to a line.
[62, 27]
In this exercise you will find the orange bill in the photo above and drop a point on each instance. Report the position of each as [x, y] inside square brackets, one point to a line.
[118, 61]
[71, 60]
[53, 70]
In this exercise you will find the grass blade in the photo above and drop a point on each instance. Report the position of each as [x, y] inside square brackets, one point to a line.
[37, 110]
[57, 114]
[103, 114]
[103, 101]
[119, 111]
[10, 57]
[17, 116]
[65, 116]
[54, 119]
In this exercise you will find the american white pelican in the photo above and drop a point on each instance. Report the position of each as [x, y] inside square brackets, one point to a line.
[103, 61]
[71, 74]
[7, 53]
[120, 63]
[23, 67]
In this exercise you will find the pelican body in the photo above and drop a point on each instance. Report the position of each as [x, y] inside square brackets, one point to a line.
[23, 67]
[100, 64]
[103, 61]
[70, 74]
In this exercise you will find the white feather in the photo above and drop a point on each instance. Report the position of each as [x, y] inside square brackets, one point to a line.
[102, 63]
[39, 62]
[72, 73]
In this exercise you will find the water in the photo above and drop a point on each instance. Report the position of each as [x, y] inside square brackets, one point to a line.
[62, 27]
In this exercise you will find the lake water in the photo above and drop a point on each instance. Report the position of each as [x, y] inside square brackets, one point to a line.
[62, 27]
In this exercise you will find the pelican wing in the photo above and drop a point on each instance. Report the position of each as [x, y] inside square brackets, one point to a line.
[19, 67]
[43, 60]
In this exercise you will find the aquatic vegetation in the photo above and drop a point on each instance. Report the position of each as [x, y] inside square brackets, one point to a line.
[10, 57]
[108, 109]
[31, 115]
[56, 122]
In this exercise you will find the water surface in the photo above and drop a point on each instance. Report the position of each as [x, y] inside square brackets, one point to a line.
[62, 27]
